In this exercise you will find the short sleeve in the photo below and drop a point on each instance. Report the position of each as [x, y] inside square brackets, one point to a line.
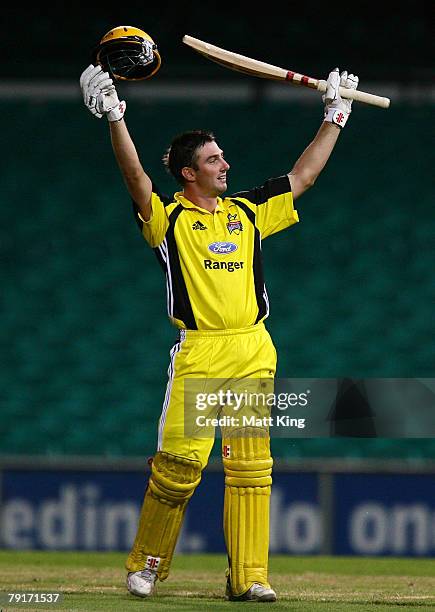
[272, 204]
[155, 228]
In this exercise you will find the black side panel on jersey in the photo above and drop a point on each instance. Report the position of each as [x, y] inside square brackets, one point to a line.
[160, 259]
[182, 307]
[257, 262]
[271, 188]
[170, 263]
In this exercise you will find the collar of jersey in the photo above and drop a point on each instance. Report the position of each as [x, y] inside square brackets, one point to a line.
[179, 197]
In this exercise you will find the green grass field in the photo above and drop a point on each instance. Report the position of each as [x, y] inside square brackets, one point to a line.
[96, 581]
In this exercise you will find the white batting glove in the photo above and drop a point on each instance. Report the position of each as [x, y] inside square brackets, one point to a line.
[338, 109]
[108, 104]
[99, 94]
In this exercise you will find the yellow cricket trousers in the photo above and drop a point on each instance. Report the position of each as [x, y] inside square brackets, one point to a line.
[238, 360]
[209, 356]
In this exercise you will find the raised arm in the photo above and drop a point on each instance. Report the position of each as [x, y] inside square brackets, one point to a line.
[137, 181]
[101, 98]
[314, 158]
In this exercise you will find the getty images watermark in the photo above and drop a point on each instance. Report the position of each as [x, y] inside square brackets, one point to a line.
[311, 407]
[246, 407]
[243, 406]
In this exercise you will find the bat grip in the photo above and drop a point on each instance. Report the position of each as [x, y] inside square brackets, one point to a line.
[359, 96]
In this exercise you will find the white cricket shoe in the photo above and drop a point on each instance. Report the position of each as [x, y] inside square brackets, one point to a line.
[141, 583]
[257, 592]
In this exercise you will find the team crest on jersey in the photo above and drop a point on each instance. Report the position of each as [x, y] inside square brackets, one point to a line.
[226, 451]
[234, 226]
[199, 226]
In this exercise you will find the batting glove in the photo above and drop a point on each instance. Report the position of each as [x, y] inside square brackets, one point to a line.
[99, 94]
[338, 109]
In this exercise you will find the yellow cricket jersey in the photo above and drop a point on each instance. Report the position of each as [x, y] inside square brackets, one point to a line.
[212, 261]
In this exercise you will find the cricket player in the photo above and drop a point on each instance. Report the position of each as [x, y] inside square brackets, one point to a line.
[209, 246]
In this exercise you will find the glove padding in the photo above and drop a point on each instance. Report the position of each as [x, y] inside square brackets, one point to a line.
[99, 94]
[338, 109]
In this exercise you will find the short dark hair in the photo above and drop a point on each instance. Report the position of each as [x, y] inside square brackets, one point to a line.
[183, 152]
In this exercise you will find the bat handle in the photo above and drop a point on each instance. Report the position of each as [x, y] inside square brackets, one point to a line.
[359, 96]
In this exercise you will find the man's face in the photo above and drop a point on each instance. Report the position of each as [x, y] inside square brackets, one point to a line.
[211, 170]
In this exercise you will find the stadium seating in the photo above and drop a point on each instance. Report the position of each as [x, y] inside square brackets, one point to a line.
[85, 340]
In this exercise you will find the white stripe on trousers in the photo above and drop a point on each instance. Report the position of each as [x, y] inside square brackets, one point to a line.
[175, 349]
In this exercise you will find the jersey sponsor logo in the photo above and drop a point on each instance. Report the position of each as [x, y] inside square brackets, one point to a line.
[222, 248]
[230, 266]
[199, 226]
[234, 225]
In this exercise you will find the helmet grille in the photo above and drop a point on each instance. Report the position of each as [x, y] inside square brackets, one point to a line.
[131, 58]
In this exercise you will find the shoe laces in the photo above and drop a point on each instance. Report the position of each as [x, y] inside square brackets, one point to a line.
[148, 575]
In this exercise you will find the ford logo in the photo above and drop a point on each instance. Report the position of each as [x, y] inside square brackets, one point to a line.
[222, 248]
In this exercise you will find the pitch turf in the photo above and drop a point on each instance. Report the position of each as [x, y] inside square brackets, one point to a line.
[96, 581]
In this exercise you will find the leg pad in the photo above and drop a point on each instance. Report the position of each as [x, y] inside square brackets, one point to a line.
[172, 483]
[248, 483]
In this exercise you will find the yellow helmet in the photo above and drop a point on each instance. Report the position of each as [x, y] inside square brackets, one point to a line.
[127, 54]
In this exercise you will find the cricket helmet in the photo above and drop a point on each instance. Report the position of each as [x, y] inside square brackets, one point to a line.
[127, 54]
